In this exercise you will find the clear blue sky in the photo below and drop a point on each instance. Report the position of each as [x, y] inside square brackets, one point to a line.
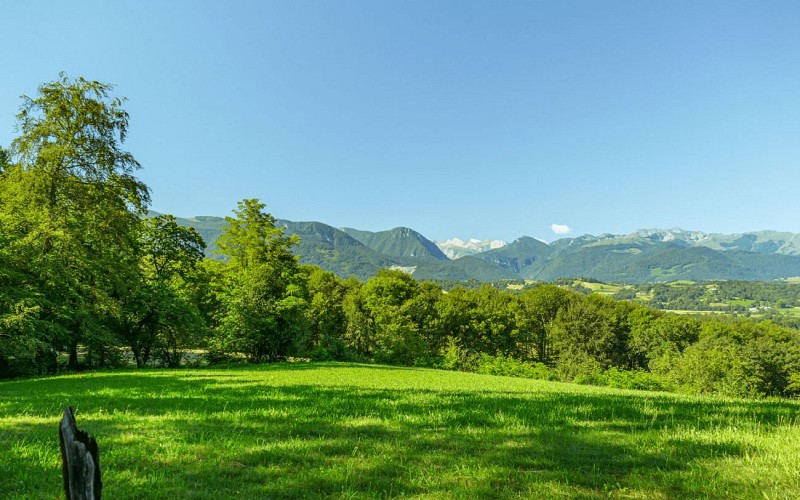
[473, 119]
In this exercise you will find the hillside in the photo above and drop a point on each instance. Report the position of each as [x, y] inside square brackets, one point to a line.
[518, 257]
[649, 255]
[364, 431]
[334, 250]
[398, 242]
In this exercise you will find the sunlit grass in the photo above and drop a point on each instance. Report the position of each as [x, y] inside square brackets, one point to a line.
[601, 288]
[363, 431]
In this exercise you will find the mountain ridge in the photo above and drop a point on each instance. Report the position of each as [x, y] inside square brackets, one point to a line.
[645, 255]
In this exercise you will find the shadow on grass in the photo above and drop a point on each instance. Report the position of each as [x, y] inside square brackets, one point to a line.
[228, 433]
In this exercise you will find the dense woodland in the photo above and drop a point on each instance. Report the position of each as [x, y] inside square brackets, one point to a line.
[88, 281]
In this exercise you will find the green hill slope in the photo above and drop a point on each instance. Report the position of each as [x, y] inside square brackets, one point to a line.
[366, 431]
[518, 256]
[398, 242]
[332, 249]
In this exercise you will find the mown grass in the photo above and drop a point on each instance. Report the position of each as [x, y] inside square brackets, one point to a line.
[364, 431]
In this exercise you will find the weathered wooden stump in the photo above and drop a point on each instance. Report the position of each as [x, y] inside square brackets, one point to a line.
[80, 460]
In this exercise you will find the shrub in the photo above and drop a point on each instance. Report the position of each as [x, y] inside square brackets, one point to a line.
[502, 365]
[634, 379]
[429, 362]
[320, 353]
[455, 357]
[624, 379]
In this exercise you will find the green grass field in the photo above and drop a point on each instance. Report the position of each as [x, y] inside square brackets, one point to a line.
[365, 431]
[601, 288]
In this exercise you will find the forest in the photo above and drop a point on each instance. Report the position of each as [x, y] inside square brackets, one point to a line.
[88, 281]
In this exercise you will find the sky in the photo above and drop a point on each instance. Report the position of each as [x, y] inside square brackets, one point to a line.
[476, 119]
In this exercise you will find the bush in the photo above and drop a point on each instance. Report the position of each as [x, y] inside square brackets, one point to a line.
[577, 366]
[429, 362]
[219, 357]
[320, 353]
[502, 365]
[43, 360]
[624, 379]
[634, 379]
[458, 358]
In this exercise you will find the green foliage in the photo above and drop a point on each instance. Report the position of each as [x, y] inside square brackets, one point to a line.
[455, 357]
[168, 249]
[582, 339]
[72, 205]
[325, 315]
[79, 268]
[625, 379]
[388, 301]
[264, 298]
[501, 365]
[742, 359]
[536, 315]
[161, 312]
[5, 160]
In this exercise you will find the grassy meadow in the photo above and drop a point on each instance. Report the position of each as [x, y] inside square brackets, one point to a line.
[365, 431]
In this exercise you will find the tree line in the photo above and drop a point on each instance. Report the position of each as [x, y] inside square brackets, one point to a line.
[87, 279]
[727, 296]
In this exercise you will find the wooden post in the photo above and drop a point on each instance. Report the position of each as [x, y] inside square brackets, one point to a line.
[80, 460]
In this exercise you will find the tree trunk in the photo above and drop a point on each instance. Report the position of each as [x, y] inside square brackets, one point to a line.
[73, 357]
[80, 460]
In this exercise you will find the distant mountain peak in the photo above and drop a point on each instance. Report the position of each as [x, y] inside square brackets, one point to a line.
[456, 247]
[400, 242]
[676, 233]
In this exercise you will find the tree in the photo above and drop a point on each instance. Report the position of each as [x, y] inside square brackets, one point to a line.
[582, 340]
[25, 340]
[388, 297]
[538, 309]
[326, 316]
[157, 311]
[360, 332]
[657, 341]
[265, 300]
[169, 250]
[424, 312]
[5, 160]
[74, 206]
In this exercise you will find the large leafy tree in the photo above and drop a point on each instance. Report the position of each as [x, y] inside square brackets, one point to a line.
[72, 205]
[535, 317]
[582, 340]
[264, 300]
[160, 312]
[387, 299]
[359, 333]
[326, 314]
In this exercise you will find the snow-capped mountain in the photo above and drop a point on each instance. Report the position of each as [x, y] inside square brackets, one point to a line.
[457, 247]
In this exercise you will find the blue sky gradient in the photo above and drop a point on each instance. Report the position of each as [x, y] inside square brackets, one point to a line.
[472, 119]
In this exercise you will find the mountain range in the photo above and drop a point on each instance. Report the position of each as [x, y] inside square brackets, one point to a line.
[648, 255]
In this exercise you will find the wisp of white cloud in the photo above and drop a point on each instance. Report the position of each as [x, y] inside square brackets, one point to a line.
[560, 228]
